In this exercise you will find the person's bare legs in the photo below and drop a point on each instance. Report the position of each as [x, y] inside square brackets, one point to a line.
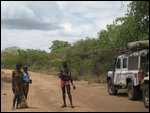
[14, 101]
[69, 95]
[18, 102]
[64, 97]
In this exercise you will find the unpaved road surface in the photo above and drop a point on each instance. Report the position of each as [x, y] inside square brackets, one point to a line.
[45, 95]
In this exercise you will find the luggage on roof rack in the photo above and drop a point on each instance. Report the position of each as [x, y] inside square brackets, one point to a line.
[138, 45]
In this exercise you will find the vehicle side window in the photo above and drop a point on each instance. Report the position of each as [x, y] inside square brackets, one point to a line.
[124, 62]
[118, 66]
[133, 62]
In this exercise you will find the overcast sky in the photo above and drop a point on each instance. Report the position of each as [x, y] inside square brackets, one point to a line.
[35, 24]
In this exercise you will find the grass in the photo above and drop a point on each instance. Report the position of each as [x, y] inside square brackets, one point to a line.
[5, 77]
[94, 79]
[50, 71]
[87, 77]
[53, 71]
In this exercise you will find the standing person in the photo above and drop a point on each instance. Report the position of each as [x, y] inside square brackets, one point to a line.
[26, 80]
[17, 85]
[65, 76]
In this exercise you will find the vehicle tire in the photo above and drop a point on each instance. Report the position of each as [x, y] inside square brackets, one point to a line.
[146, 95]
[111, 88]
[133, 91]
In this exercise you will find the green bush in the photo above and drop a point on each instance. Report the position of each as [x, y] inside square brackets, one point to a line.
[74, 75]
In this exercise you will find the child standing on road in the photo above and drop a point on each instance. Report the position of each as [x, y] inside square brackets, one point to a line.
[65, 76]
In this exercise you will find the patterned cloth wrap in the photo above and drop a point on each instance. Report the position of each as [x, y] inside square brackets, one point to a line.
[64, 83]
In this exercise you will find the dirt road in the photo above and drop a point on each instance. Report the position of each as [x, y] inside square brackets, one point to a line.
[45, 95]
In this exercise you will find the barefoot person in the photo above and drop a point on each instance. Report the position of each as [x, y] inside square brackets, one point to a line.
[17, 85]
[26, 80]
[65, 76]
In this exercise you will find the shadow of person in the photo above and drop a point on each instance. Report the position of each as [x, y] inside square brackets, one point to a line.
[32, 107]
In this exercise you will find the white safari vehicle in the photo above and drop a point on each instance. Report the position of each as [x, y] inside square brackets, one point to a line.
[131, 71]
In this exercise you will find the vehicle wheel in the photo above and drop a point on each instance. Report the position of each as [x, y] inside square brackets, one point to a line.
[146, 95]
[111, 88]
[133, 92]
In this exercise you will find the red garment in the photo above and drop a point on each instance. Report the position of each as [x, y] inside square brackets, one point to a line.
[63, 83]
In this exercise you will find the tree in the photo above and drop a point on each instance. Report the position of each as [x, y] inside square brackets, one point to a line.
[58, 45]
[9, 57]
[133, 27]
[139, 12]
[12, 50]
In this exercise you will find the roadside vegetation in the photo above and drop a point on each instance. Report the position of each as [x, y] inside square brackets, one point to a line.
[89, 59]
